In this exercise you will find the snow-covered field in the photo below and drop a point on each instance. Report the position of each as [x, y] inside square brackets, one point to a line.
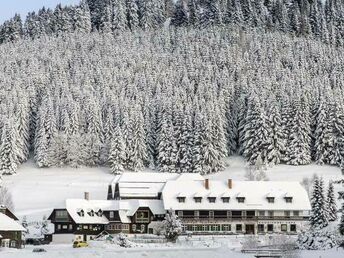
[37, 191]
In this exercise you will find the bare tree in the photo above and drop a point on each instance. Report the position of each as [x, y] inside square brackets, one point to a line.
[6, 197]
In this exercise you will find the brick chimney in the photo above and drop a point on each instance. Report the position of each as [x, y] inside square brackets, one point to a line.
[230, 183]
[206, 183]
[87, 196]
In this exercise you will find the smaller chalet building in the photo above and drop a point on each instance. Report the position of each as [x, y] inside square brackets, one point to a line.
[138, 201]
[10, 229]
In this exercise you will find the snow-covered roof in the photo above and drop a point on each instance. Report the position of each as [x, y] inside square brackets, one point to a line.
[75, 206]
[147, 184]
[255, 193]
[9, 224]
[125, 208]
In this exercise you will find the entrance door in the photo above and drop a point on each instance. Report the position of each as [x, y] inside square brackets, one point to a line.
[249, 229]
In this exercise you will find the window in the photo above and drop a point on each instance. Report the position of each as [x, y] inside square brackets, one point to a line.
[196, 214]
[261, 213]
[180, 214]
[62, 215]
[212, 199]
[226, 227]
[287, 214]
[211, 214]
[112, 214]
[225, 199]
[181, 199]
[288, 199]
[64, 226]
[241, 199]
[229, 214]
[284, 227]
[261, 228]
[194, 227]
[296, 213]
[70, 227]
[270, 199]
[13, 244]
[238, 227]
[292, 227]
[236, 214]
[59, 227]
[270, 214]
[270, 227]
[198, 199]
[142, 216]
[85, 227]
[133, 227]
[143, 227]
[204, 227]
[250, 214]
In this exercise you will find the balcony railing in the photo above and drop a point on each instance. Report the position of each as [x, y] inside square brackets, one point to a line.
[232, 218]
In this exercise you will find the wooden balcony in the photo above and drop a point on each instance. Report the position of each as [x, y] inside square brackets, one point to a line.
[206, 219]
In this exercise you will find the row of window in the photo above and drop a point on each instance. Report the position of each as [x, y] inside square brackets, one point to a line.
[238, 214]
[238, 228]
[199, 199]
[117, 227]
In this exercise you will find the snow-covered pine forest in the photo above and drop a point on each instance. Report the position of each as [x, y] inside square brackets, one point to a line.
[323, 20]
[177, 100]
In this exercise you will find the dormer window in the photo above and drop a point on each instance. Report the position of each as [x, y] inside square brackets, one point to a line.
[225, 199]
[81, 212]
[181, 199]
[91, 213]
[198, 199]
[241, 199]
[270, 199]
[99, 213]
[288, 199]
[212, 199]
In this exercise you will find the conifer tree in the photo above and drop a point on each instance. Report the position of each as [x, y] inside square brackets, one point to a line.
[8, 149]
[331, 207]
[117, 152]
[318, 218]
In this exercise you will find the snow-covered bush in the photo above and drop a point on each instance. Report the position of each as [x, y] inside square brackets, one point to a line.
[173, 226]
[317, 239]
[123, 241]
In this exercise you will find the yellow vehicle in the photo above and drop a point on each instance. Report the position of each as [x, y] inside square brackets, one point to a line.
[78, 244]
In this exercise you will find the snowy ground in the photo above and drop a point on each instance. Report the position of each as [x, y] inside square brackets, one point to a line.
[37, 191]
[204, 248]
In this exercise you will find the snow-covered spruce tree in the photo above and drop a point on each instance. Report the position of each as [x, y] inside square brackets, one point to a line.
[298, 147]
[173, 226]
[331, 207]
[9, 158]
[132, 14]
[117, 152]
[119, 17]
[82, 18]
[318, 218]
[167, 148]
[44, 226]
[276, 145]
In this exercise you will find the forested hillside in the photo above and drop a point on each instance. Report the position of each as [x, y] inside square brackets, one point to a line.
[178, 100]
[320, 19]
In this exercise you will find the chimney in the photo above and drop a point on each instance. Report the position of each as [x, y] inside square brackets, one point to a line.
[230, 183]
[87, 196]
[206, 183]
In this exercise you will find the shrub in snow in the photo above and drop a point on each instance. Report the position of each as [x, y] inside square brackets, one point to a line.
[44, 226]
[317, 240]
[173, 226]
[123, 241]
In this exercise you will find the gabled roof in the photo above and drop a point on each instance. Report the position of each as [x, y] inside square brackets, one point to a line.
[9, 224]
[255, 193]
[147, 184]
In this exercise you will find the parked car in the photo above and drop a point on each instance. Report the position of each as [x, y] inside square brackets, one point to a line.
[37, 241]
[39, 250]
[78, 244]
